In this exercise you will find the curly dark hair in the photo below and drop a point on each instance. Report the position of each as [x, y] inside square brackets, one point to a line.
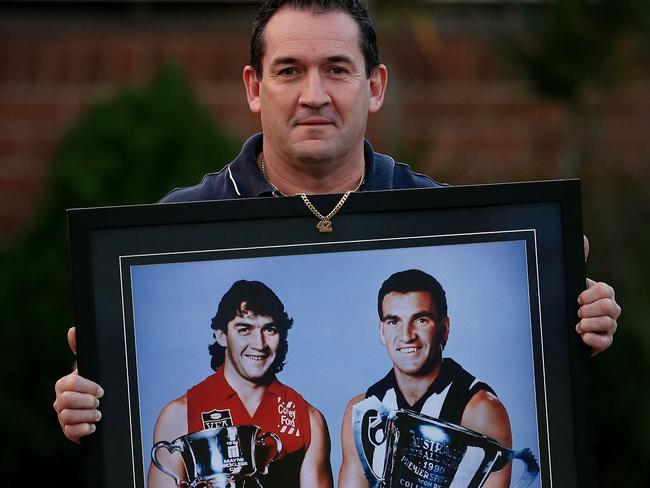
[413, 280]
[354, 8]
[257, 298]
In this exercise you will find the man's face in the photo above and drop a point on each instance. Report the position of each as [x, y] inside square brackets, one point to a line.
[251, 343]
[412, 332]
[314, 96]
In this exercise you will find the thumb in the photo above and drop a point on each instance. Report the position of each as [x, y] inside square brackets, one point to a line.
[72, 339]
[585, 243]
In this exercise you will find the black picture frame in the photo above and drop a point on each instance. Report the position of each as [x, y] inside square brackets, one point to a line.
[106, 243]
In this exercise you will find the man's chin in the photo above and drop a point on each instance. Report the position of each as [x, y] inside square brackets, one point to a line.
[258, 370]
[415, 368]
[314, 150]
[260, 377]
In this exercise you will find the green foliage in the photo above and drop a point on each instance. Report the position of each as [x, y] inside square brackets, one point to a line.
[572, 44]
[130, 149]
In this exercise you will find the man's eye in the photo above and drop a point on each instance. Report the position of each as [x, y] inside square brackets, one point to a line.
[422, 321]
[337, 70]
[288, 72]
[243, 330]
[271, 330]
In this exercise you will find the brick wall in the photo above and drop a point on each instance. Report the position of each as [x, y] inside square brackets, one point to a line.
[450, 105]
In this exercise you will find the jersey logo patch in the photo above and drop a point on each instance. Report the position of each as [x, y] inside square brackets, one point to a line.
[215, 419]
[287, 418]
[376, 430]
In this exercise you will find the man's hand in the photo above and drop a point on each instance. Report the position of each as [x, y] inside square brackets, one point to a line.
[598, 313]
[77, 400]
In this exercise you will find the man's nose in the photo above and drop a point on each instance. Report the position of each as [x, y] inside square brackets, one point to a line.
[407, 332]
[258, 340]
[314, 93]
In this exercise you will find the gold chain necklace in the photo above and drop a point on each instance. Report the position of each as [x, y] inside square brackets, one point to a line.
[324, 221]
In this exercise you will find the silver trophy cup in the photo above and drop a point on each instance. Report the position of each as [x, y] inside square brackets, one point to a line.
[221, 458]
[417, 451]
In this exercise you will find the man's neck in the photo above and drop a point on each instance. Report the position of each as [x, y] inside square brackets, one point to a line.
[249, 393]
[312, 177]
[414, 387]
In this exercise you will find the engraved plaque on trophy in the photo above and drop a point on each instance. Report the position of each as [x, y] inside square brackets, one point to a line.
[422, 452]
[221, 457]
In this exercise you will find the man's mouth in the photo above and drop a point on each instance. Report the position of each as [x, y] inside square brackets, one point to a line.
[256, 357]
[314, 121]
[408, 349]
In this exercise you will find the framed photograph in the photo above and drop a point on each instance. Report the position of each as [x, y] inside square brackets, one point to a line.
[150, 283]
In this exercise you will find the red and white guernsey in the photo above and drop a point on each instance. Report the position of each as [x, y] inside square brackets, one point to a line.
[283, 411]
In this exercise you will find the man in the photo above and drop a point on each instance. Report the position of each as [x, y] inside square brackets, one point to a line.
[414, 327]
[314, 77]
[251, 328]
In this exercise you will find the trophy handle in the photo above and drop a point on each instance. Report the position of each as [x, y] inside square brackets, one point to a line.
[261, 441]
[532, 466]
[362, 412]
[171, 447]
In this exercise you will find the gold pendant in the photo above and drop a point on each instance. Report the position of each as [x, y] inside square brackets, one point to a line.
[324, 225]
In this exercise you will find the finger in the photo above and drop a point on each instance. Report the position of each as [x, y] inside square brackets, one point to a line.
[595, 291]
[74, 400]
[77, 431]
[71, 416]
[75, 383]
[72, 339]
[605, 307]
[600, 325]
[597, 342]
[585, 244]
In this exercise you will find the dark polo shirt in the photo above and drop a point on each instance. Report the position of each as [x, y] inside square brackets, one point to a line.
[242, 177]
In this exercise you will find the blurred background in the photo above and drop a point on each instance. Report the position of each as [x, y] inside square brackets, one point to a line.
[107, 103]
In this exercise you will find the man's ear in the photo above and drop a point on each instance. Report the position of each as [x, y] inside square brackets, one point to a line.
[252, 84]
[381, 334]
[220, 335]
[444, 336]
[378, 83]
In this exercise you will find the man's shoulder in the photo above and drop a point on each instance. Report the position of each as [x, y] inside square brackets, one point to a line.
[380, 387]
[213, 186]
[465, 384]
[176, 408]
[405, 177]
[387, 174]
[240, 178]
[172, 420]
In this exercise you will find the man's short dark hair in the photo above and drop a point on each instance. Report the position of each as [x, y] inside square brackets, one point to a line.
[256, 298]
[354, 8]
[413, 280]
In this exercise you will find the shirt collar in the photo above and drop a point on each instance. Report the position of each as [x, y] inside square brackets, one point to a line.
[438, 385]
[248, 180]
[226, 390]
[245, 173]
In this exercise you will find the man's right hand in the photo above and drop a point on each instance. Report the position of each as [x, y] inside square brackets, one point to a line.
[77, 400]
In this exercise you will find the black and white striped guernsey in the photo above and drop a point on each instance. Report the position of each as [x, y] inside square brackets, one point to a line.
[445, 399]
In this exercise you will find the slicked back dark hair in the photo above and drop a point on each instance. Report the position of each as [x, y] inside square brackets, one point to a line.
[413, 280]
[257, 298]
[354, 8]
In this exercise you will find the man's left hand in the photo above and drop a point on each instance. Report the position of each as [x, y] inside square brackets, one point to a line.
[598, 313]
